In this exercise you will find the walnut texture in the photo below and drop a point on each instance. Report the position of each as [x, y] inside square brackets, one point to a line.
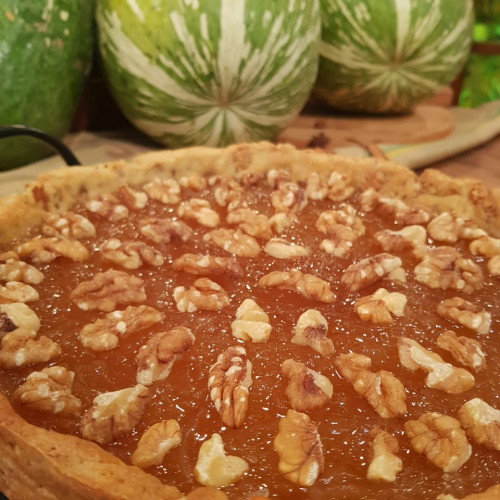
[384, 464]
[311, 330]
[214, 467]
[485, 246]
[251, 323]
[108, 207]
[20, 348]
[464, 350]
[155, 443]
[306, 389]
[251, 222]
[166, 191]
[49, 390]
[16, 291]
[397, 241]
[229, 381]
[288, 196]
[208, 265]
[281, 249]
[445, 268]
[440, 439]
[114, 414]
[165, 230]
[309, 285]
[130, 254]
[67, 225]
[17, 315]
[447, 228]
[105, 333]
[440, 375]
[13, 269]
[299, 448]
[155, 358]
[204, 295]
[234, 241]
[481, 422]
[200, 211]
[370, 270]
[381, 306]
[383, 391]
[108, 290]
[45, 250]
[465, 313]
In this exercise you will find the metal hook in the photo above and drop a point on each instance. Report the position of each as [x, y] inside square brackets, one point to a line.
[61, 148]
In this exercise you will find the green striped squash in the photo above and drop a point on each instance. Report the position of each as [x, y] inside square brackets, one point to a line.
[212, 72]
[45, 55]
[383, 56]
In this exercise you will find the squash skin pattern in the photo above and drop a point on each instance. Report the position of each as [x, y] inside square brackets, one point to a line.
[209, 72]
[45, 56]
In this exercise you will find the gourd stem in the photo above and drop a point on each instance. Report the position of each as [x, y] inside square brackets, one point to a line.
[61, 148]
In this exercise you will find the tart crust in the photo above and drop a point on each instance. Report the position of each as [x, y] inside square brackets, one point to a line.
[45, 464]
[57, 190]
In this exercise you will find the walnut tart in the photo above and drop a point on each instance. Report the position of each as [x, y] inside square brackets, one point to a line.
[250, 322]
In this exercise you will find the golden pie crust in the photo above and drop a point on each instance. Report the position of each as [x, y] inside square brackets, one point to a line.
[38, 463]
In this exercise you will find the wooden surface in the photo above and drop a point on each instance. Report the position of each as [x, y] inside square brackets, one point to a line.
[482, 163]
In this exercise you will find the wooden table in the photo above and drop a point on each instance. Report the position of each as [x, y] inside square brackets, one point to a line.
[482, 163]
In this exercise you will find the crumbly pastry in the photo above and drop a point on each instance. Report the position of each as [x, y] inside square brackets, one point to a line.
[249, 322]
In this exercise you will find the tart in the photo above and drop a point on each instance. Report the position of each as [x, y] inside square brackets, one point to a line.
[255, 321]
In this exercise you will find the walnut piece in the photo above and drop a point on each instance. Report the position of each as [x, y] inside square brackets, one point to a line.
[108, 207]
[465, 313]
[251, 222]
[165, 230]
[114, 414]
[214, 467]
[342, 227]
[370, 270]
[445, 268]
[67, 225]
[307, 389]
[204, 295]
[194, 182]
[130, 254]
[49, 391]
[494, 266]
[104, 333]
[393, 208]
[384, 464]
[485, 246]
[13, 269]
[311, 330]
[234, 241]
[229, 381]
[381, 306]
[440, 439]
[481, 422]
[251, 322]
[132, 199]
[404, 239]
[310, 286]
[106, 291]
[166, 191]
[441, 375]
[281, 221]
[155, 358]
[200, 211]
[155, 443]
[492, 493]
[464, 350]
[281, 249]
[15, 291]
[289, 197]
[336, 188]
[210, 265]
[300, 449]
[17, 315]
[229, 193]
[20, 348]
[45, 250]
[447, 228]
[385, 393]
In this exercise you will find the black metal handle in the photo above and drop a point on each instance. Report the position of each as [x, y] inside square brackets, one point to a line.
[61, 148]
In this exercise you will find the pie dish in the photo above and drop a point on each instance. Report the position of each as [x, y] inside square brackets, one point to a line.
[255, 321]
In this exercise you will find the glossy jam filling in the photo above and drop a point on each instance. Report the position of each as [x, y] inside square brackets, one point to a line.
[343, 423]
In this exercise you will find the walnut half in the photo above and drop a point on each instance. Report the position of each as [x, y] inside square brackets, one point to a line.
[204, 295]
[440, 439]
[251, 322]
[465, 313]
[300, 450]
[49, 390]
[464, 350]
[481, 423]
[384, 464]
[114, 414]
[307, 388]
[17, 315]
[311, 330]
[385, 393]
[229, 381]
[381, 306]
